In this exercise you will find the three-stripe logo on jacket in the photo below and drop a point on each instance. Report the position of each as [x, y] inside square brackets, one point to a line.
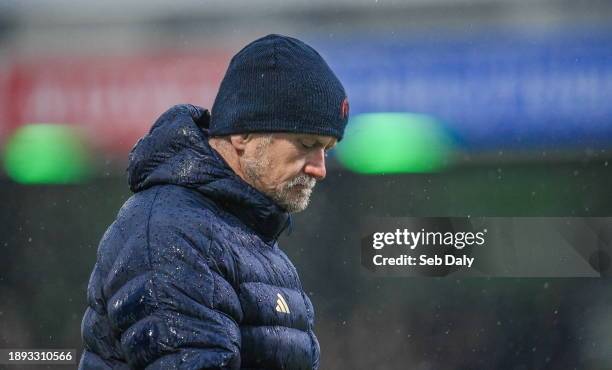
[281, 304]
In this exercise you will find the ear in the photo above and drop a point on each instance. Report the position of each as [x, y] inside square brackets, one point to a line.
[239, 141]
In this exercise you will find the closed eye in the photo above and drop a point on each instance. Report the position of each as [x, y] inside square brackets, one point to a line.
[315, 144]
[308, 144]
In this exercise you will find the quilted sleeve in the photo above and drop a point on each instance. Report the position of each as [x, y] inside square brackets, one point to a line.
[172, 315]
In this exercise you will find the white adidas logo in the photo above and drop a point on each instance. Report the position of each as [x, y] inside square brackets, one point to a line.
[281, 304]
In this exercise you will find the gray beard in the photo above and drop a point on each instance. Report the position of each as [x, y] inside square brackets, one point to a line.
[290, 197]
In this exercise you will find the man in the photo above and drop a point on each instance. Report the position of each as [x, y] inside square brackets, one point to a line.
[190, 275]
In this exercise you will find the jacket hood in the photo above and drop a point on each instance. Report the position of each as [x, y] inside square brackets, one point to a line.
[176, 151]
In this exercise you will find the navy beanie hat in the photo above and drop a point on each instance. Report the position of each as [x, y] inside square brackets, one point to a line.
[279, 84]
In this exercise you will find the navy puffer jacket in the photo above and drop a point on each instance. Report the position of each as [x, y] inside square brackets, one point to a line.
[190, 275]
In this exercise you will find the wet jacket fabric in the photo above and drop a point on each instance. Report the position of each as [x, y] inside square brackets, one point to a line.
[190, 275]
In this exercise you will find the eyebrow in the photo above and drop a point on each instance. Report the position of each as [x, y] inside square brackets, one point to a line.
[323, 145]
[331, 146]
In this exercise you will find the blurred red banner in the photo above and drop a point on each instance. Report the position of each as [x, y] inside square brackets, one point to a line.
[113, 99]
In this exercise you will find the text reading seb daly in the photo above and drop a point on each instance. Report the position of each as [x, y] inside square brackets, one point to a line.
[437, 243]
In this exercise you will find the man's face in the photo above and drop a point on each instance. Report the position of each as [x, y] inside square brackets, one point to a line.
[286, 166]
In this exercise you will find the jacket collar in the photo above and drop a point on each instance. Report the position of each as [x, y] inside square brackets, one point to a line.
[176, 151]
[253, 207]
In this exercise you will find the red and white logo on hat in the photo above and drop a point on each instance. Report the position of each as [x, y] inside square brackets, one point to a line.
[344, 108]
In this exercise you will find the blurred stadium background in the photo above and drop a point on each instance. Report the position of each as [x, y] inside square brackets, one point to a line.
[458, 107]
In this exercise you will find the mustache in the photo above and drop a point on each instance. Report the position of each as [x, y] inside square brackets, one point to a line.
[305, 180]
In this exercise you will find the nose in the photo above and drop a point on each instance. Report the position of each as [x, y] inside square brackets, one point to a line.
[315, 165]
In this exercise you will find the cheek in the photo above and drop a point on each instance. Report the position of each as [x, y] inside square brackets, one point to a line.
[280, 176]
[285, 167]
[292, 169]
